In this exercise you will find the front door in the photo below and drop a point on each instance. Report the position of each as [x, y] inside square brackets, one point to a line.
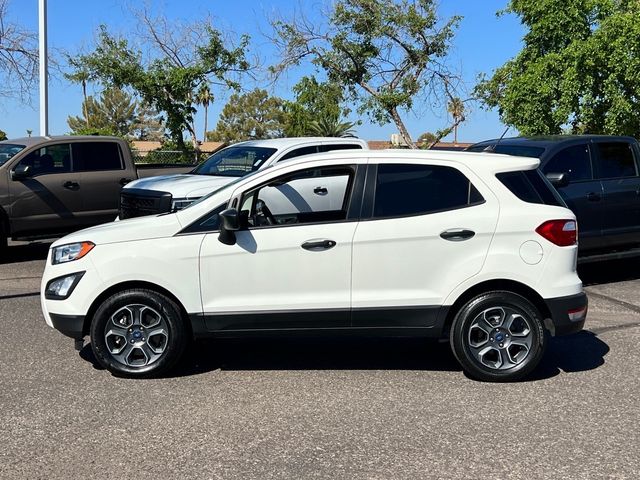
[291, 265]
[48, 201]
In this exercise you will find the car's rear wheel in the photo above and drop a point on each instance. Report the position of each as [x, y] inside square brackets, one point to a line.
[138, 333]
[498, 336]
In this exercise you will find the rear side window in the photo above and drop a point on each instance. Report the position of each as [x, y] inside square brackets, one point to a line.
[96, 156]
[531, 187]
[615, 160]
[408, 189]
[340, 146]
[574, 161]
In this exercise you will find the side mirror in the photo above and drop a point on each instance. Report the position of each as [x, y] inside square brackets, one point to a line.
[21, 172]
[229, 224]
[558, 180]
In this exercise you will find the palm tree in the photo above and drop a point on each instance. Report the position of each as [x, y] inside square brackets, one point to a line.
[204, 98]
[331, 126]
[456, 108]
[81, 75]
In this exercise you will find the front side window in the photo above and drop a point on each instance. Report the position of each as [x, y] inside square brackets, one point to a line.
[48, 160]
[208, 223]
[314, 195]
[574, 161]
[96, 156]
[235, 161]
[615, 160]
[409, 189]
[298, 152]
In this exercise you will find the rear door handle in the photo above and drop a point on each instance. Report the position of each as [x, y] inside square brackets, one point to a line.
[593, 197]
[71, 185]
[457, 234]
[318, 245]
[320, 190]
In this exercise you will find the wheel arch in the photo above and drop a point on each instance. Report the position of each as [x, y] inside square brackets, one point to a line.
[493, 285]
[119, 287]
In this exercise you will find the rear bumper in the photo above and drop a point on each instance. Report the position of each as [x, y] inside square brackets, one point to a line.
[566, 316]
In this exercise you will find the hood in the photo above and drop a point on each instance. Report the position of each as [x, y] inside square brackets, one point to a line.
[140, 228]
[183, 185]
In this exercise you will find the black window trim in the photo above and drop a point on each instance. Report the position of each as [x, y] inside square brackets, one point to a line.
[370, 194]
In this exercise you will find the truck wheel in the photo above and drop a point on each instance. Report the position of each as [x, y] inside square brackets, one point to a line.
[498, 337]
[138, 333]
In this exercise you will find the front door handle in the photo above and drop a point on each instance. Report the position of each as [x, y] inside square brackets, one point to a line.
[593, 197]
[457, 234]
[320, 190]
[71, 185]
[124, 181]
[318, 245]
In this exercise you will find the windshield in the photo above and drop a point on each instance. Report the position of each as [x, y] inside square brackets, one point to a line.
[235, 161]
[8, 150]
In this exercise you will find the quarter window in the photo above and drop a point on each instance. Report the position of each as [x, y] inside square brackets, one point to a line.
[615, 160]
[407, 189]
[96, 156]
[575, 161]
[298, 152]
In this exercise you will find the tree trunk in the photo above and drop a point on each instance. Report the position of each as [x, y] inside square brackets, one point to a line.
[204, 136]
[84, 102]
[455, 134]
[404, 133]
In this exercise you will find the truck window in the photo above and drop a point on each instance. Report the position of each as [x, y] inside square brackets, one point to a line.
[8, 150]
[49, 159]
[96, 156]
[615, 160]
[298, 152]
[574, 161]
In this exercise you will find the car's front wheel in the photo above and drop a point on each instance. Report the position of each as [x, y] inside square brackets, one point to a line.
[498, 336]
[138, 333]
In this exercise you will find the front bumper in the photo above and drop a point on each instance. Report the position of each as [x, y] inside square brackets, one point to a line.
[69, 325]
[561, 322]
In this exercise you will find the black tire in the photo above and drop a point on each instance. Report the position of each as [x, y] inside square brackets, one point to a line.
[111, 333]
[508, 354]
[4, 245]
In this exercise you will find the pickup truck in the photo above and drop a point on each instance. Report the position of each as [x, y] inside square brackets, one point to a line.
[54, 185]
[598, 177]
[166, 193]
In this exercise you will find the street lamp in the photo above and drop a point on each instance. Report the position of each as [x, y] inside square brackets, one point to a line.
[43, 57]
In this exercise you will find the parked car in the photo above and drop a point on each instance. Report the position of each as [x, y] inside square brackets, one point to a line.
[173, 192]
[599, 178]
[403, 243]
[53, 185]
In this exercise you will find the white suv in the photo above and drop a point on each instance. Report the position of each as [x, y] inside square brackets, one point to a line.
[472, 247]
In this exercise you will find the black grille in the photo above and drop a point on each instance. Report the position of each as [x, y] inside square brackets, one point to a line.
[138, 202]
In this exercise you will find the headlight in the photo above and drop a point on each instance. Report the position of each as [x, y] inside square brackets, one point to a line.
[61, 287]
[180, 203]
[70, 252]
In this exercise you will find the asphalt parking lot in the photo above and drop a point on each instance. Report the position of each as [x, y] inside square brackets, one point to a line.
[356, 408]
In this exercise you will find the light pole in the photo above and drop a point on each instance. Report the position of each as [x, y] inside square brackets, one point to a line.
[44, 80]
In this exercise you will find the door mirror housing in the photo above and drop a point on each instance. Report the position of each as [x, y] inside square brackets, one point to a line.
[558, 180]
[229, 225]
[21, 172]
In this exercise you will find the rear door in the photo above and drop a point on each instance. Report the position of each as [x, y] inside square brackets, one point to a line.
[617, 169]
[584, 195]
[425, 229]
[50, 199]
[103, 174]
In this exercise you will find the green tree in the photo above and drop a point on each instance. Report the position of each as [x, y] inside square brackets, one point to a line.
[577, 71]
[313, 100]
[388, 54]
[456, 108]
[82, 76]
[180, 59]
[250, 116]
[204, 98]
[427, 138]
[3, 135]
[114, 113]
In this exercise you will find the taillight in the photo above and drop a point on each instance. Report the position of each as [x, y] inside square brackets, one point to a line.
[563, 233]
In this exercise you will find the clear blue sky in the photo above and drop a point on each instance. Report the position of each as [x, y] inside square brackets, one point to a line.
[482, 43]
